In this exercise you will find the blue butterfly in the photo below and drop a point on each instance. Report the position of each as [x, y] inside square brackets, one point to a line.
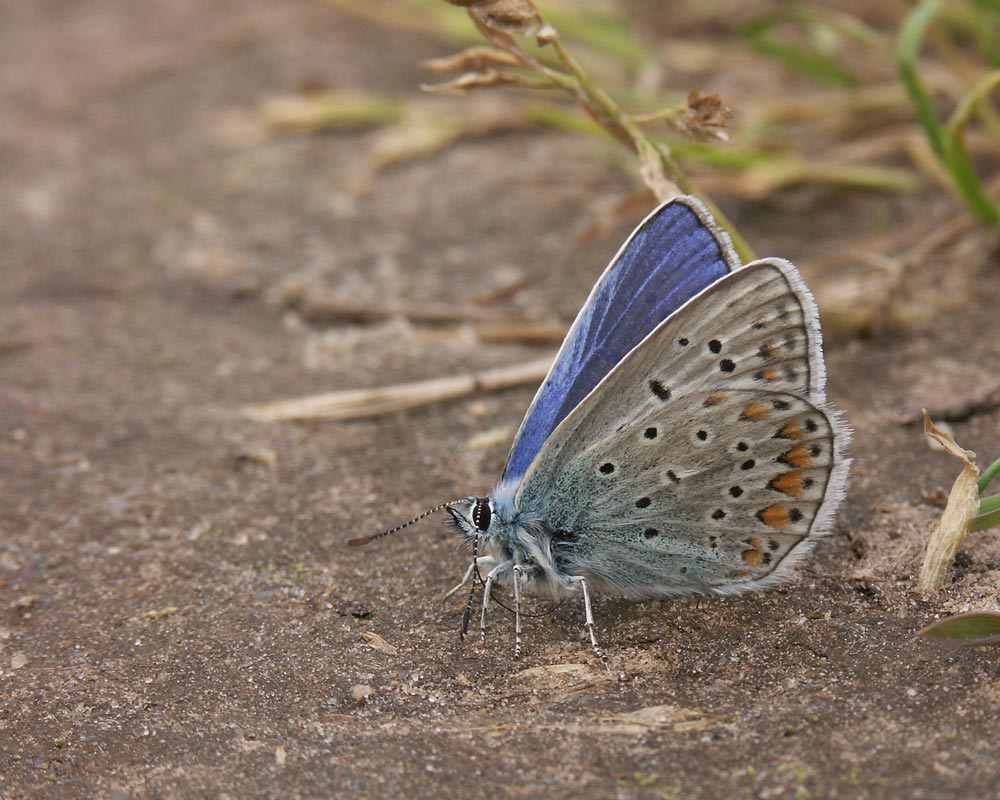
[681, 443]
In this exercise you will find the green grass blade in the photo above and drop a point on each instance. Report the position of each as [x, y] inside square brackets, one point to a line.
[610, 35]
[985, 25]
[565, 119]
[988, 475]
[946, 140]
[959, 162]
[988, 504]
[735, 158]
[984, 521]
[911, 37]
[816, 65]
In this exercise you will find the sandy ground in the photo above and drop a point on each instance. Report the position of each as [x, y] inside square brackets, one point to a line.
[179, 616]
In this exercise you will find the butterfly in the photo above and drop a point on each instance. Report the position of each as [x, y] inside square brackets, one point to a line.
[681, 443]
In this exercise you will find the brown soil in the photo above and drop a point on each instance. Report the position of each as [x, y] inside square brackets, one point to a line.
[179, 616]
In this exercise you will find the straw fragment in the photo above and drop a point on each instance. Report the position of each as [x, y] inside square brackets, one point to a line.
[366, 403]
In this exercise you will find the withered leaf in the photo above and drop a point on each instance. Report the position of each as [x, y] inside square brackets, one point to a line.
[499, 21]
[513, 17]
[472, 59]
[376, 642]
[951, 529]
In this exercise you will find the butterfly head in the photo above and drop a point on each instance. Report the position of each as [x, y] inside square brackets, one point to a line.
[473, 515]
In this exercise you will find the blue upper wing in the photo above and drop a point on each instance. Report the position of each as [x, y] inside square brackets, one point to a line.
[672, 256]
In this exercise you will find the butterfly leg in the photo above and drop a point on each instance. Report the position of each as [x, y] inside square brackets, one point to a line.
[517, 578]
[589, 614]
[461, 583]
[485, 562]
[486, 604]
[471, 574]
[487, 586]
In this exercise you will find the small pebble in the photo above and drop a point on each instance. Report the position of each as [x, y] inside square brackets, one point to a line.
[360, 692]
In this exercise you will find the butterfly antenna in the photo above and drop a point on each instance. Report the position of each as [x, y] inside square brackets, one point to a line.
[360, 540]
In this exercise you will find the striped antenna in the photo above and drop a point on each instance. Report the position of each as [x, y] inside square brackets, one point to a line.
[360, 540]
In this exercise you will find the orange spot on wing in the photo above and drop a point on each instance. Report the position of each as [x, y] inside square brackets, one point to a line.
[793, 430]
[755, 412]
[769, 374]
[790, 483]
[752, 558]
[715, 399]
[797, 457]
[775, 516]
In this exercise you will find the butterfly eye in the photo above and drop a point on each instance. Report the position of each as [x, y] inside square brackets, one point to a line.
[482, 514]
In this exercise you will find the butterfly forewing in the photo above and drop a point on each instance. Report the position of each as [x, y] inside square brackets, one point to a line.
[707, 459]
[674, 254]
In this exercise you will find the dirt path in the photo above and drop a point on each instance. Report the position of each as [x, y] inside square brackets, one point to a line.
[179, 616]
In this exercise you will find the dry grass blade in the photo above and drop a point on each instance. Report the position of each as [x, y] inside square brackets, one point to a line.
[482, 79]
[330, 111]
[319, 308]
[663, 719]
[426, 130]
[472, 59]
[951, 529]
[365, 403]
[522, 332]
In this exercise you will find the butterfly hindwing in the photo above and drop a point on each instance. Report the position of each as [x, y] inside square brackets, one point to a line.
[707, 460]
[672, 256]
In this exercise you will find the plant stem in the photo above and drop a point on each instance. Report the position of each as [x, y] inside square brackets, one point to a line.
[603, 108]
